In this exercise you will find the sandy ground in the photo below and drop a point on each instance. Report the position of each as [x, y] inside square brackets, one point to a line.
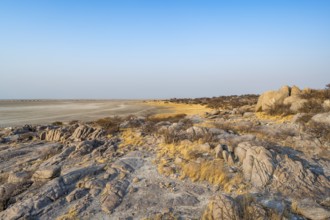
[21, 112]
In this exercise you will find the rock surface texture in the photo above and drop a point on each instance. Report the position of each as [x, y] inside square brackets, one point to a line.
[228, 166]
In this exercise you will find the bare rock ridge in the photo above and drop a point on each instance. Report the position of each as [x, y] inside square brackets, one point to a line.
[226, 164]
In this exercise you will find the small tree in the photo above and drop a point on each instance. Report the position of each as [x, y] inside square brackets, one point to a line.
[327, 86]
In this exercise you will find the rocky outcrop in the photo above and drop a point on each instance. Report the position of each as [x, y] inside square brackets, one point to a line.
[55, 134]
[286, 95]
[47, 172]
[294, 177]
[258, 166]
[19, 177]
[47, 194]
[295, 103]
[196, 131]
[76, 133]
[310, 209]
[113, 194]
[223, 207]
[322, 118]
[84, 132]
[89, 175]
[291, 177]
[270, 98]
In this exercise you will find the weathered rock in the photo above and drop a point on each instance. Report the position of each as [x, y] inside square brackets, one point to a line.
[258, 166]
[76, 194]
[293, 178]
[24, 129]
[84, 132]
[297, 117]
[326, 105]
[110, 202]
[19, 177]
[230, 160]
[57, 134]
[74, 176]
[225, 155]
[122, 166]
[205, 147]
[47, 194]
[118, 187]
[95, 184]
[295, 91]
[85, 147]
[322, 118]
[114, 192]
[270, 98]
[196, 131]
[185, 200]
[240, 150]
[295, 103]
[310, 209]
[47, 172]
[6, 191]
[223, 207]
[218, 151]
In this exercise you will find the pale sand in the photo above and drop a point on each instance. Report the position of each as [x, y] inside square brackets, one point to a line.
[21, 112]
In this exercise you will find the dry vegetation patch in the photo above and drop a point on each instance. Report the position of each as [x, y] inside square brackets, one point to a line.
[188, 159]
[178, 108]
[222, 102]
[110, 124]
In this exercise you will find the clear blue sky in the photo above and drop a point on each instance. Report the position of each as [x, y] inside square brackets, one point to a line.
[161, 48]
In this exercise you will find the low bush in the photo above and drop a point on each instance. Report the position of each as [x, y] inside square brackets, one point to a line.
[321, 131]
[279, 109]
[224, 102]
[110, 124]
[172, 118]
[57, 123]
[73, 122]
[312, 106]
[315, 94]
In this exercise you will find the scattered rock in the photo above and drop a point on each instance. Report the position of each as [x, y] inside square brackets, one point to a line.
[218, 151]
[310, 209]
[19, 177]
[76, 194]
[258, 166]
[270, 98]
[47, 172]
[205, 147]
[223, 207]
[322, 118]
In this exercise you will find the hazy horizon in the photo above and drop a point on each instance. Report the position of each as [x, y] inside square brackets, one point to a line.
[161, 49]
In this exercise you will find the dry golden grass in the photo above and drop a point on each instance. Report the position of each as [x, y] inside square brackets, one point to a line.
[210, 170]
[178, 108]
[131, 137]
[274, 118]
[70, 215]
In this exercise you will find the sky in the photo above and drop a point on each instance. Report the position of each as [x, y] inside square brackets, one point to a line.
[135, 49]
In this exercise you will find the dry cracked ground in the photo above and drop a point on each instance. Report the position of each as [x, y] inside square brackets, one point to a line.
[220, 165]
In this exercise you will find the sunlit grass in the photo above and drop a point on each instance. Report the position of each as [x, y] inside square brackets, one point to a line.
[189, 161]
[179, 108]
[131, 137]
[274, 118]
